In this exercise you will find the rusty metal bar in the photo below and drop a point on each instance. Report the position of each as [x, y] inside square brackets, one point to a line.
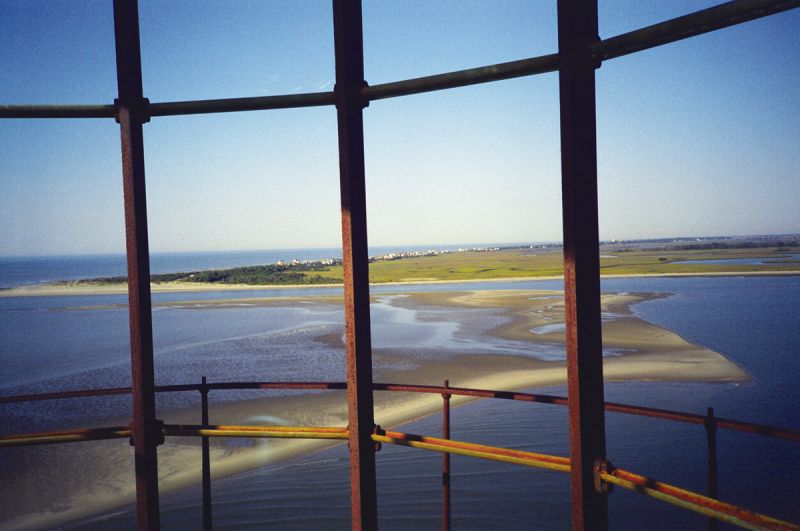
[57, 111]
[704, 21]
[463, 78]
[131, 114]
[446, 460]
[614, 407]
[692, 501]
[665, 492]
[492, 453]
[174, 108]
[257, 385]
[691, 25]
[270, 432]
[84, 393]
[577, 30]
[711, 440]
[604, 473]
[64, 436]
[258, 103]
[467, 391]
[349, 55]
[690, 418]
[206, 470]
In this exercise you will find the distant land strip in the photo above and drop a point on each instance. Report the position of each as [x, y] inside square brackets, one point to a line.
[767, 255]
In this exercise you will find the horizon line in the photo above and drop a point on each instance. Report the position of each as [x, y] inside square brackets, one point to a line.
[428, 246]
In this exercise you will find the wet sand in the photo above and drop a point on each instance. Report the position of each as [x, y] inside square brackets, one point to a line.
[76, 481]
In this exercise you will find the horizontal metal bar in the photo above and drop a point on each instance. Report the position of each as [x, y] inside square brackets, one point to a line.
[691, 418]
[691, 25]
[272, 432]
[57, 111]
[466, 391]
[694, 502]
[259, 103]
[677, 416]
[672, 30]
[463, 78]
[492, 453]
[84, 393]
[64, 436]
[704, 21]
[174, 108]
[228, 386]
[623, 478]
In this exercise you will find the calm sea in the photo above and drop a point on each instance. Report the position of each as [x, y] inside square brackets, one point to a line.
[20, 271]
[53, 343]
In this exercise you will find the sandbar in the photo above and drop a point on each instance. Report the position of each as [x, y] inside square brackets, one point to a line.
[49, 485]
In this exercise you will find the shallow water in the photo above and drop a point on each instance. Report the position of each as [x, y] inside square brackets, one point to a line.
[750, 320]
[745, 261]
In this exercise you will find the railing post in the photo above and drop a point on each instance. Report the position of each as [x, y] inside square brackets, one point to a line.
[131, 113]
[577, 31]
[207, 525]
[446, 460]
[349, 55]
[711, 439]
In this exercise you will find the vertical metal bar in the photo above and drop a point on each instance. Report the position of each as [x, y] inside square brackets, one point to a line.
[350, 103]
[207, 525]
[131, 114]
[577, 30]
[711, 440]
[446, 460]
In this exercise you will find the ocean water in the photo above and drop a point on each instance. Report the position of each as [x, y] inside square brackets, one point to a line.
[53, 343]
[751, 320]
[25, 270]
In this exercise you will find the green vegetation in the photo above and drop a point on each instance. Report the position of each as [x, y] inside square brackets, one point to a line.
[615, 259]
[533, 263]
[271, 274]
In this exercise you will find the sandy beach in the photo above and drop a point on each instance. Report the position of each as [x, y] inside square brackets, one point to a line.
[76, 481]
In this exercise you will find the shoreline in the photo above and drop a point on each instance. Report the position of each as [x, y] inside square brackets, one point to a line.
[55, 290]
[95, 478]
[179, 460]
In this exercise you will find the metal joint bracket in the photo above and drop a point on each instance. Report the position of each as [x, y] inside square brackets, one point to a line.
[597, 61]
[157, 429]
[710, 422]
[351, 93]
[378, 431]
[602, 466]
[139, 112]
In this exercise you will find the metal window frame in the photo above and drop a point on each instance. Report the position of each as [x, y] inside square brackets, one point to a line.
[580, 52]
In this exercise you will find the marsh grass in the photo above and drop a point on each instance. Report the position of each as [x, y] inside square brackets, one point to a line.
[535, 263]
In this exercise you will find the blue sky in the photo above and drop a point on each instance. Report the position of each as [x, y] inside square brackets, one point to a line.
[697, 137]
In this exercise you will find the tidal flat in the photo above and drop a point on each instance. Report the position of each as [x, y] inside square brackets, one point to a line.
[490, 339]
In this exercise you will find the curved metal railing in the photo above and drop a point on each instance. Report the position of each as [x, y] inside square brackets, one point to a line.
[605, 474]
